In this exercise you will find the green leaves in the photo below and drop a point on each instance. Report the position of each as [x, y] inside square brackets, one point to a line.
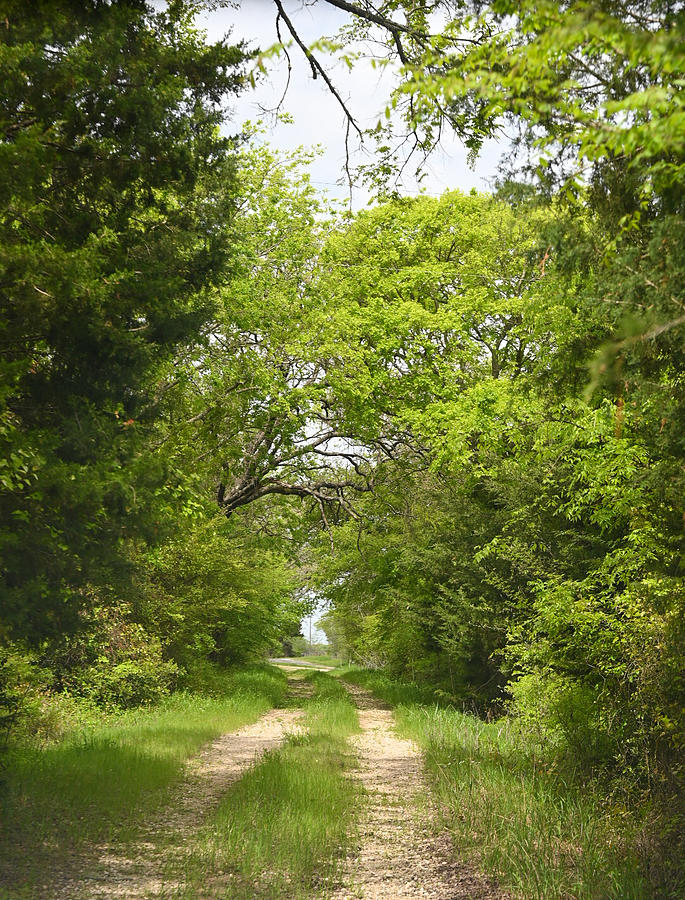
[114, 182]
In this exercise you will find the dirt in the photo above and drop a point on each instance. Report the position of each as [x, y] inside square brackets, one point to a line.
[288, 663]
[136, 871]
[402, 851]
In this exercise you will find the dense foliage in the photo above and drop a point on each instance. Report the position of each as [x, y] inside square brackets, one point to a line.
[114, 180]
[459, 420]
[119, 193]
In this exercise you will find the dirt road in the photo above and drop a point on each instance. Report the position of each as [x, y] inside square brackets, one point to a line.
[402, 851]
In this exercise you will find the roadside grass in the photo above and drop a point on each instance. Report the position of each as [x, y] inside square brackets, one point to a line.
[97, 785]
[334, 661]
[510, 809]
[395, 693]
[282, 831]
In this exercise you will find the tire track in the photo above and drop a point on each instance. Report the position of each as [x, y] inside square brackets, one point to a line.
[402, 852]
[135, 871]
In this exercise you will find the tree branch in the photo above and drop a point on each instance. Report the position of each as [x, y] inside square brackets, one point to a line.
[376, 18]
[395, 28]
[317, 68]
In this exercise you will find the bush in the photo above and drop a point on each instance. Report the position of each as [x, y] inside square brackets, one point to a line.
[564, 713]
[53, 717]
[29, 711]
[20, 683]
[132, 682]
[113, 662]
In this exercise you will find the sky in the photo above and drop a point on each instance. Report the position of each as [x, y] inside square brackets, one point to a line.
[317, 118]
[308, 626]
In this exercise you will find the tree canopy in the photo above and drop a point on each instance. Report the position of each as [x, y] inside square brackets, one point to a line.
[115, 193]
[456, 419]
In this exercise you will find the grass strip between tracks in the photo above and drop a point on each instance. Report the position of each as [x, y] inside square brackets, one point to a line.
[284, 828]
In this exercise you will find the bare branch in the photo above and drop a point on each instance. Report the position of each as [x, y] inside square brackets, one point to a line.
[653, 332]
[278, 106]
[317, 68]
[376, 18]
[326, 523]
[400, 49]
[395, 28]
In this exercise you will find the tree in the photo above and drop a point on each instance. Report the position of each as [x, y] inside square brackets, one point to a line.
[525, 544]
[332, 339]
[115, 186]
[256, 400]
[587, 81]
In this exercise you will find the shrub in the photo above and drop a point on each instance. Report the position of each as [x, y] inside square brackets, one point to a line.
[21, 680]
[113, 662]
[562, 712]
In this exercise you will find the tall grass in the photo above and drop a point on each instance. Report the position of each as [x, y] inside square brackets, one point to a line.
[283, 829]
[98, 784]
[512, 810]
[393, 692]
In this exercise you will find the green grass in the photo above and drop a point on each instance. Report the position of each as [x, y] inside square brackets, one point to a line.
[538, 829]
[393, 692]
[283, 829]
[98, 785]
[334, 661]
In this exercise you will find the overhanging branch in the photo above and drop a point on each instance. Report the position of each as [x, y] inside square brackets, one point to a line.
[316, 67]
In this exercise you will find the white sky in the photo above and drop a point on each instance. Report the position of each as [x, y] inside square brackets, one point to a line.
[317, 117]
[318, 636]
